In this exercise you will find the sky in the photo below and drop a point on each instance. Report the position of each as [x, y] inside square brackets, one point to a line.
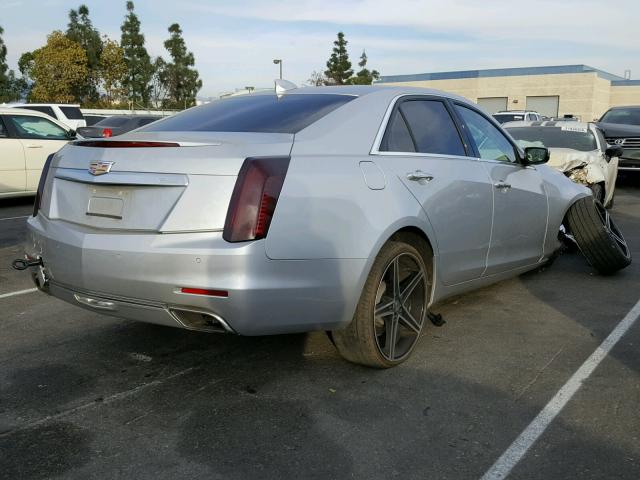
[235, 41]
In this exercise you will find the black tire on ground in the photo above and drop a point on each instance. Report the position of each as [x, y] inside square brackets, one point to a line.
[597, 189]
[386, 326]
[598, 237]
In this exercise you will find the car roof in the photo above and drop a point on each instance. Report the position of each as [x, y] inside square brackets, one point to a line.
[548, 123]
[45, 105]
[623, 107]
[362, 90]
[35, 113]
[506, 112]
[129, 116]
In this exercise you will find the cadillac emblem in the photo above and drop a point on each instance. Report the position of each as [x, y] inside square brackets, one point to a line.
[100, 168]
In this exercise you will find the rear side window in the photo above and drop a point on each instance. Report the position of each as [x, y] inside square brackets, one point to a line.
[431, 127]
[72, 113]
[397, 137]
[254, 113]
[46, 110]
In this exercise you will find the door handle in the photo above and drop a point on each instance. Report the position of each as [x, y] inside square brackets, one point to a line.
[419, 175]
[34, 146]
[502, 186]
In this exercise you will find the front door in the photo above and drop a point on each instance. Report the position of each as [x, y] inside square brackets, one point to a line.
[40, 138]
[12, 167]
[519, 198]
[423, 147]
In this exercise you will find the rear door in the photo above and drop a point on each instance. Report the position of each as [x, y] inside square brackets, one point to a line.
[12, 166]
[39, 138]
[519, 198]
[423, 147]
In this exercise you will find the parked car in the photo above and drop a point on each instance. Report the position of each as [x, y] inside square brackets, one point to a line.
[27, 138]
[621, 126]
[69, 115]
[92, 119]
[116, 125]
[516, 115]
[579, 150]
[347, 209]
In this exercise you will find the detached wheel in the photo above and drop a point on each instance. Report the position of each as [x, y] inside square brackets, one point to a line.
[391, 311]
[598, 237]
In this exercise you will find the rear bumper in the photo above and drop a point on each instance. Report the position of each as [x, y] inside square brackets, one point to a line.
[139, 276]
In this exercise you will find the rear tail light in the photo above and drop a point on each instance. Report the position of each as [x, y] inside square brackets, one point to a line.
[43, 179]
[254, 198]
[204, 291]
[107, 133]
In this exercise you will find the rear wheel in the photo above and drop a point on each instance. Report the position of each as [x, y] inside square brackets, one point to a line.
[598, 237]
[391, 311]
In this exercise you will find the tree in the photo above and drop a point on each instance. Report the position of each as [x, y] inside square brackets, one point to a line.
[58, 68]
[317, 79]
[182, 81]
[339, 67]
[139, 68]
[80, 30]
[112, 70]
[5, 73]
[364, 76]
[159, 90]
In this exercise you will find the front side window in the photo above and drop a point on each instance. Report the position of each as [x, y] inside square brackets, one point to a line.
[28, 126]
[3, 130]
[254, 113]
[490, 142]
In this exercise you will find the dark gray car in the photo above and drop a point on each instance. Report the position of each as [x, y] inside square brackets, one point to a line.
[116, 125]
[621, 127]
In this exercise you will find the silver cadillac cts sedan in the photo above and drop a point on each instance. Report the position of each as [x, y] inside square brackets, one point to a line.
[345, 209]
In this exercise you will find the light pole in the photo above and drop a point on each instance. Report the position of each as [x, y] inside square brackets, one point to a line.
[278, 61]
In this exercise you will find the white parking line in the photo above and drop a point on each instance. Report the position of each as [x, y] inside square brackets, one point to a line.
[19, 292]
[510, 458]
[14, 218]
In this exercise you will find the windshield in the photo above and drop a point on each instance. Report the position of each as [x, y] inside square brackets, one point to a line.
[508, 117]
[253, 113]
[624, 116]
[574, 137]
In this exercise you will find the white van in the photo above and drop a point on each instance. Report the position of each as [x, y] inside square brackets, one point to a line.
[27, 138]
[70, 115]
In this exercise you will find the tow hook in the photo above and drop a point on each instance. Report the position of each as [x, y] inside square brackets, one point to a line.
[24, 263]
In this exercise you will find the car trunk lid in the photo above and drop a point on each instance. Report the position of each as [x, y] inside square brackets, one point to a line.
[157, 182]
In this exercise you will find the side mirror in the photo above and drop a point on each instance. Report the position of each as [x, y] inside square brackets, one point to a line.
[614, 151]
[71, 134]
[536, 155]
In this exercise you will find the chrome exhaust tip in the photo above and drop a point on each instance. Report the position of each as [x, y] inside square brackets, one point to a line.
[199, 320]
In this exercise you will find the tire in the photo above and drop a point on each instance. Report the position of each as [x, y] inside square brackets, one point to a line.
[597, 190]
[389, 319]
[598, 237]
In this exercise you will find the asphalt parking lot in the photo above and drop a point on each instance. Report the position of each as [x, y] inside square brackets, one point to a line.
[88, 396]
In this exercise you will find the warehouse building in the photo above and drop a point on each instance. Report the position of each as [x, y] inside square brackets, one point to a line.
[578, 90]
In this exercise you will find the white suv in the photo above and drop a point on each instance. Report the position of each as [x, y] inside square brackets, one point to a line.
[27, 138]
[517, 116]
[70, 115]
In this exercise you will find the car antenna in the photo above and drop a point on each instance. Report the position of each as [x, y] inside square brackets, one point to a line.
[283, 86]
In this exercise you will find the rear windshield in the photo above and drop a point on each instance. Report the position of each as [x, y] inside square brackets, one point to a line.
[508, 117]
[625, 116]
[72, 113]
[254, 113]
[113, 122]
[569, 136]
